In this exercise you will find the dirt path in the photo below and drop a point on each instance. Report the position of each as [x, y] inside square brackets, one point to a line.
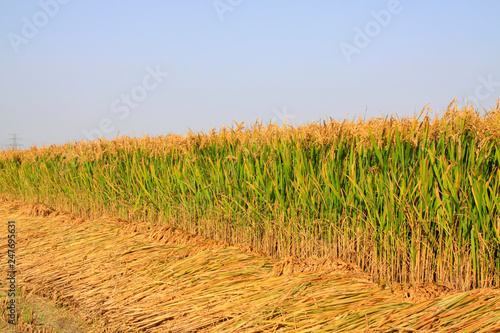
[128, 277]
[42, 315]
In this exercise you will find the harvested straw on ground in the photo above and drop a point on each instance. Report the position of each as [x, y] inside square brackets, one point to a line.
[141, 277]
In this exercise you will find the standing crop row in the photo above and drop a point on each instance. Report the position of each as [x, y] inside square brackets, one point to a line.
[409, 200]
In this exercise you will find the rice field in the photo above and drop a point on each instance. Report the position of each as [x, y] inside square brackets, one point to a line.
[124, 276]
[410, 200]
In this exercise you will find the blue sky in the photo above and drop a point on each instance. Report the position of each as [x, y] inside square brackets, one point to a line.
[73, 70]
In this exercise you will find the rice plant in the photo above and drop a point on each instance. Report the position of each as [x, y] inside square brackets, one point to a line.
[409, 200]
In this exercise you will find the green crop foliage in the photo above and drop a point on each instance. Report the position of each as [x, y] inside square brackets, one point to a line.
[409, 200]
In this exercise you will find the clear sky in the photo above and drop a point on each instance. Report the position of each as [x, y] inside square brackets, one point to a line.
[73, 70]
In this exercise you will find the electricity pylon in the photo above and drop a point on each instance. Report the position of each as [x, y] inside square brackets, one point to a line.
[14, 141]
